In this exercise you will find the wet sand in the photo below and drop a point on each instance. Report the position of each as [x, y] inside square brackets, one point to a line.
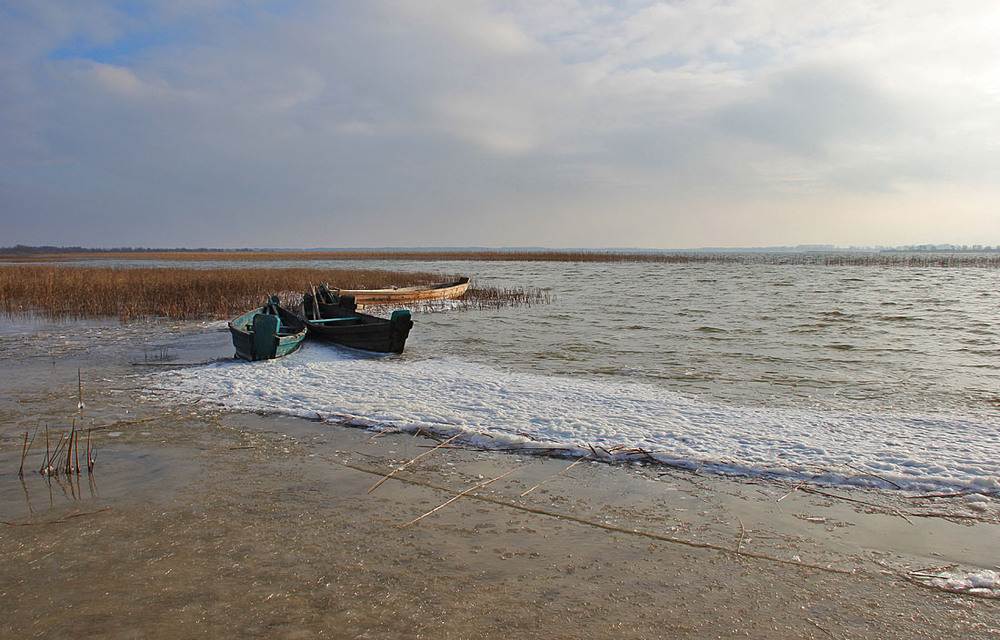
[264, 527]
[199, 524]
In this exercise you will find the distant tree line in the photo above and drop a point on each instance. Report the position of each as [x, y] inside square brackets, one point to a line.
[25, 250]
[943, 247]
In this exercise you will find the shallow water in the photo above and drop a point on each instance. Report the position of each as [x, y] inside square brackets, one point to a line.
[876, 376]
[860, 375]
[264, 526]
[233, 524]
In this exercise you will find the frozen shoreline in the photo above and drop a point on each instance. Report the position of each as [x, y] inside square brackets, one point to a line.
[491, 408]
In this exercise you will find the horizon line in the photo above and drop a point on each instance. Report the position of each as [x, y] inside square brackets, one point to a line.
[800, 248]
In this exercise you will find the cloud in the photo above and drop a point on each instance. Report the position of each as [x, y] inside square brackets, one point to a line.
[637, 123]
[810, 110]
[118, 80]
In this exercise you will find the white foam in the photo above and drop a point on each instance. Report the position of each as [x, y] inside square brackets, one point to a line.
[574, 416]
[983, 583]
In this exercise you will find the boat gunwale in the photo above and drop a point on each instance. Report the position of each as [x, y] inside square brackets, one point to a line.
[438, 291]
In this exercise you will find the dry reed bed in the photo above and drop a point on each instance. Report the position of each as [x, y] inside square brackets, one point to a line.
[989, 259]
[78, 292]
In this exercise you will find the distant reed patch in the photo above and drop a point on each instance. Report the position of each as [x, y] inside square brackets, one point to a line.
[496, 297]
[189, 294]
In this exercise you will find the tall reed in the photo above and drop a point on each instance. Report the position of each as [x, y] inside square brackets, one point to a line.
[76, 292]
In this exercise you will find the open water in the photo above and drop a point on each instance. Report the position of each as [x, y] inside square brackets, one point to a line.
[857, 375]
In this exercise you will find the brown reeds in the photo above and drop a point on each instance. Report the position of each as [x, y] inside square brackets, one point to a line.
[127, 293]
[52, 465]
[496, 297]
[75, 514]
[91, 454]
[24, 451]
[65, 458]
[46, 467]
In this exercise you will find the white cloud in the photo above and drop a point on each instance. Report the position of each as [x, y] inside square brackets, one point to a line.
[119, 80]
[617, 120]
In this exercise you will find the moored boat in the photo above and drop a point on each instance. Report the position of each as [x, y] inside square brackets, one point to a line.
[404, 295]
[336, 319]
[268, 332]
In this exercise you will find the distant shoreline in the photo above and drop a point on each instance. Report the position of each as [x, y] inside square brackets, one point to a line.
[980, 257]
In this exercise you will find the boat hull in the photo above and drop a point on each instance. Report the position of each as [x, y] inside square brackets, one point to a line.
[405, 295]
[347, 327]
[251, 345]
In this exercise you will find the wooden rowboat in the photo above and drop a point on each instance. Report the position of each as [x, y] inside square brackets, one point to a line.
[405, 295]
[336, 319]
[268, 332]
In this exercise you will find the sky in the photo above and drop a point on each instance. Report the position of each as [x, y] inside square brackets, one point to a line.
[506, 123]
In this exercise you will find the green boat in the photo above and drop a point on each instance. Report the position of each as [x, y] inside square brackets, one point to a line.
[268, 332]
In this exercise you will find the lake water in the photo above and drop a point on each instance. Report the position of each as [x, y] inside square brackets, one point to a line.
[874, 376]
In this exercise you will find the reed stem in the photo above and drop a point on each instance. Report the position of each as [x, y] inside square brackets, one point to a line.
[406, 464]
[79, 382]
[457, 496]
[45, 463]
[24, 454]
[91, 454]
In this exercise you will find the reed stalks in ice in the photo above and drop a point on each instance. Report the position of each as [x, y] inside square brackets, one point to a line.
[24, 451]
[456, 497]
[65, 458]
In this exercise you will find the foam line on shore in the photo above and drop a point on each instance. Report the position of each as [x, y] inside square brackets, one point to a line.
[499, 409]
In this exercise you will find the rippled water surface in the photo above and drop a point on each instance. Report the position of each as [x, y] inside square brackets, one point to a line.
[834, 337]
[852, 372]
[863, 375]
